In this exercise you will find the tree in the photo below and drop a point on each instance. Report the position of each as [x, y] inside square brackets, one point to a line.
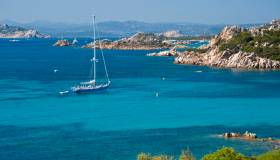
[225, 154]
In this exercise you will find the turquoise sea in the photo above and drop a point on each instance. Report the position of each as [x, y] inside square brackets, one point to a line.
[194, 104]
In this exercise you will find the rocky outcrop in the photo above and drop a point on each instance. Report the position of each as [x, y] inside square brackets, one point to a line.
[227, 59]
[246, 135]
[249, 136]
[62, 43]
[139, 41]
[7, 31]
[233, 57]
[166, 53]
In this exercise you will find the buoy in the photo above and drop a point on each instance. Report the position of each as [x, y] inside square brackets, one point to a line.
[56, 70]
[157, 94]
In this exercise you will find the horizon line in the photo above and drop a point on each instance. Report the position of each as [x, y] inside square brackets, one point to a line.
[125, 21]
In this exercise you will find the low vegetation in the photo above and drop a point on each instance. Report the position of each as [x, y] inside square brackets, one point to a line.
[273, 155]
[266, 45]
[225, 154]
[222, 154]
[191, 38]
[197, 50]
[144, 156]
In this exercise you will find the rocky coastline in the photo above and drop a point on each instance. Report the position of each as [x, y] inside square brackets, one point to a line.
[225, 51]
[7, 31]
[249, 136]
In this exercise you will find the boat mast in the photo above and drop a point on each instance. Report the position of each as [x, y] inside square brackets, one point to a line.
[94, 50]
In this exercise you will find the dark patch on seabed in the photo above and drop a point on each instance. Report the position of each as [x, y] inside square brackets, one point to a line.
[75, 141]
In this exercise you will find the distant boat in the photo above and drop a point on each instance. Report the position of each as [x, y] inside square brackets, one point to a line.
[55, 70]
[92, 86]
[14, 40]
[75, 41]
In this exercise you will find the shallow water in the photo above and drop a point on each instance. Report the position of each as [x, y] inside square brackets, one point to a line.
[126, 119]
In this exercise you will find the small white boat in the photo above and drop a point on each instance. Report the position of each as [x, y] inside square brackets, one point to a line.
[75, 41]
[14, 40]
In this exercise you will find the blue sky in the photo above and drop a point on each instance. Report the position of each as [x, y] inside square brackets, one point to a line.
[197, 11]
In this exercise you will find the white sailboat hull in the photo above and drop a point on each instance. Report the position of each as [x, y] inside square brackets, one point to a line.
[90, 88]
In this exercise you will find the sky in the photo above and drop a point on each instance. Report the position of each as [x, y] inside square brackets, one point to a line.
[195, 11]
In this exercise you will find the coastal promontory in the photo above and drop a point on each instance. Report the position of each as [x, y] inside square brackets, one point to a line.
[237, 47]
[139, 41]
[7, 31]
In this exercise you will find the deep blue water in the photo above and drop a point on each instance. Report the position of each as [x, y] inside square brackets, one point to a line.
[194, 103]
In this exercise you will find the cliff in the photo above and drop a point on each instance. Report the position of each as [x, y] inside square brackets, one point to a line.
[139, 41]
[236, 47]
[7, 31]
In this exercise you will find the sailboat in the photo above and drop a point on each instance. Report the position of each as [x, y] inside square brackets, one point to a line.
[92, 86]
[75, 41]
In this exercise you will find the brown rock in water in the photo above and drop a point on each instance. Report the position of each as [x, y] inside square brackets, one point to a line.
[248, 135]
[231, 135]
[61, 43]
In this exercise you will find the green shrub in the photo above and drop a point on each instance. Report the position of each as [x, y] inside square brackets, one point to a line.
[197, 50]
[246, 42]
[273, 155]
[225, 154]
[186, 155]
[145, 156]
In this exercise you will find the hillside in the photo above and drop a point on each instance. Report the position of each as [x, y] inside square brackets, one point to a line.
[118, 28]
[237, 47]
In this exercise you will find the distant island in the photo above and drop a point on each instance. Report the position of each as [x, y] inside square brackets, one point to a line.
[7, 31]
[148, 41]
[117, 29]
[139, 41]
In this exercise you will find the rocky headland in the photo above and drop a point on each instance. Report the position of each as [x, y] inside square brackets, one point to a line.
[7, 31]
[236, 47]
[139, 41]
